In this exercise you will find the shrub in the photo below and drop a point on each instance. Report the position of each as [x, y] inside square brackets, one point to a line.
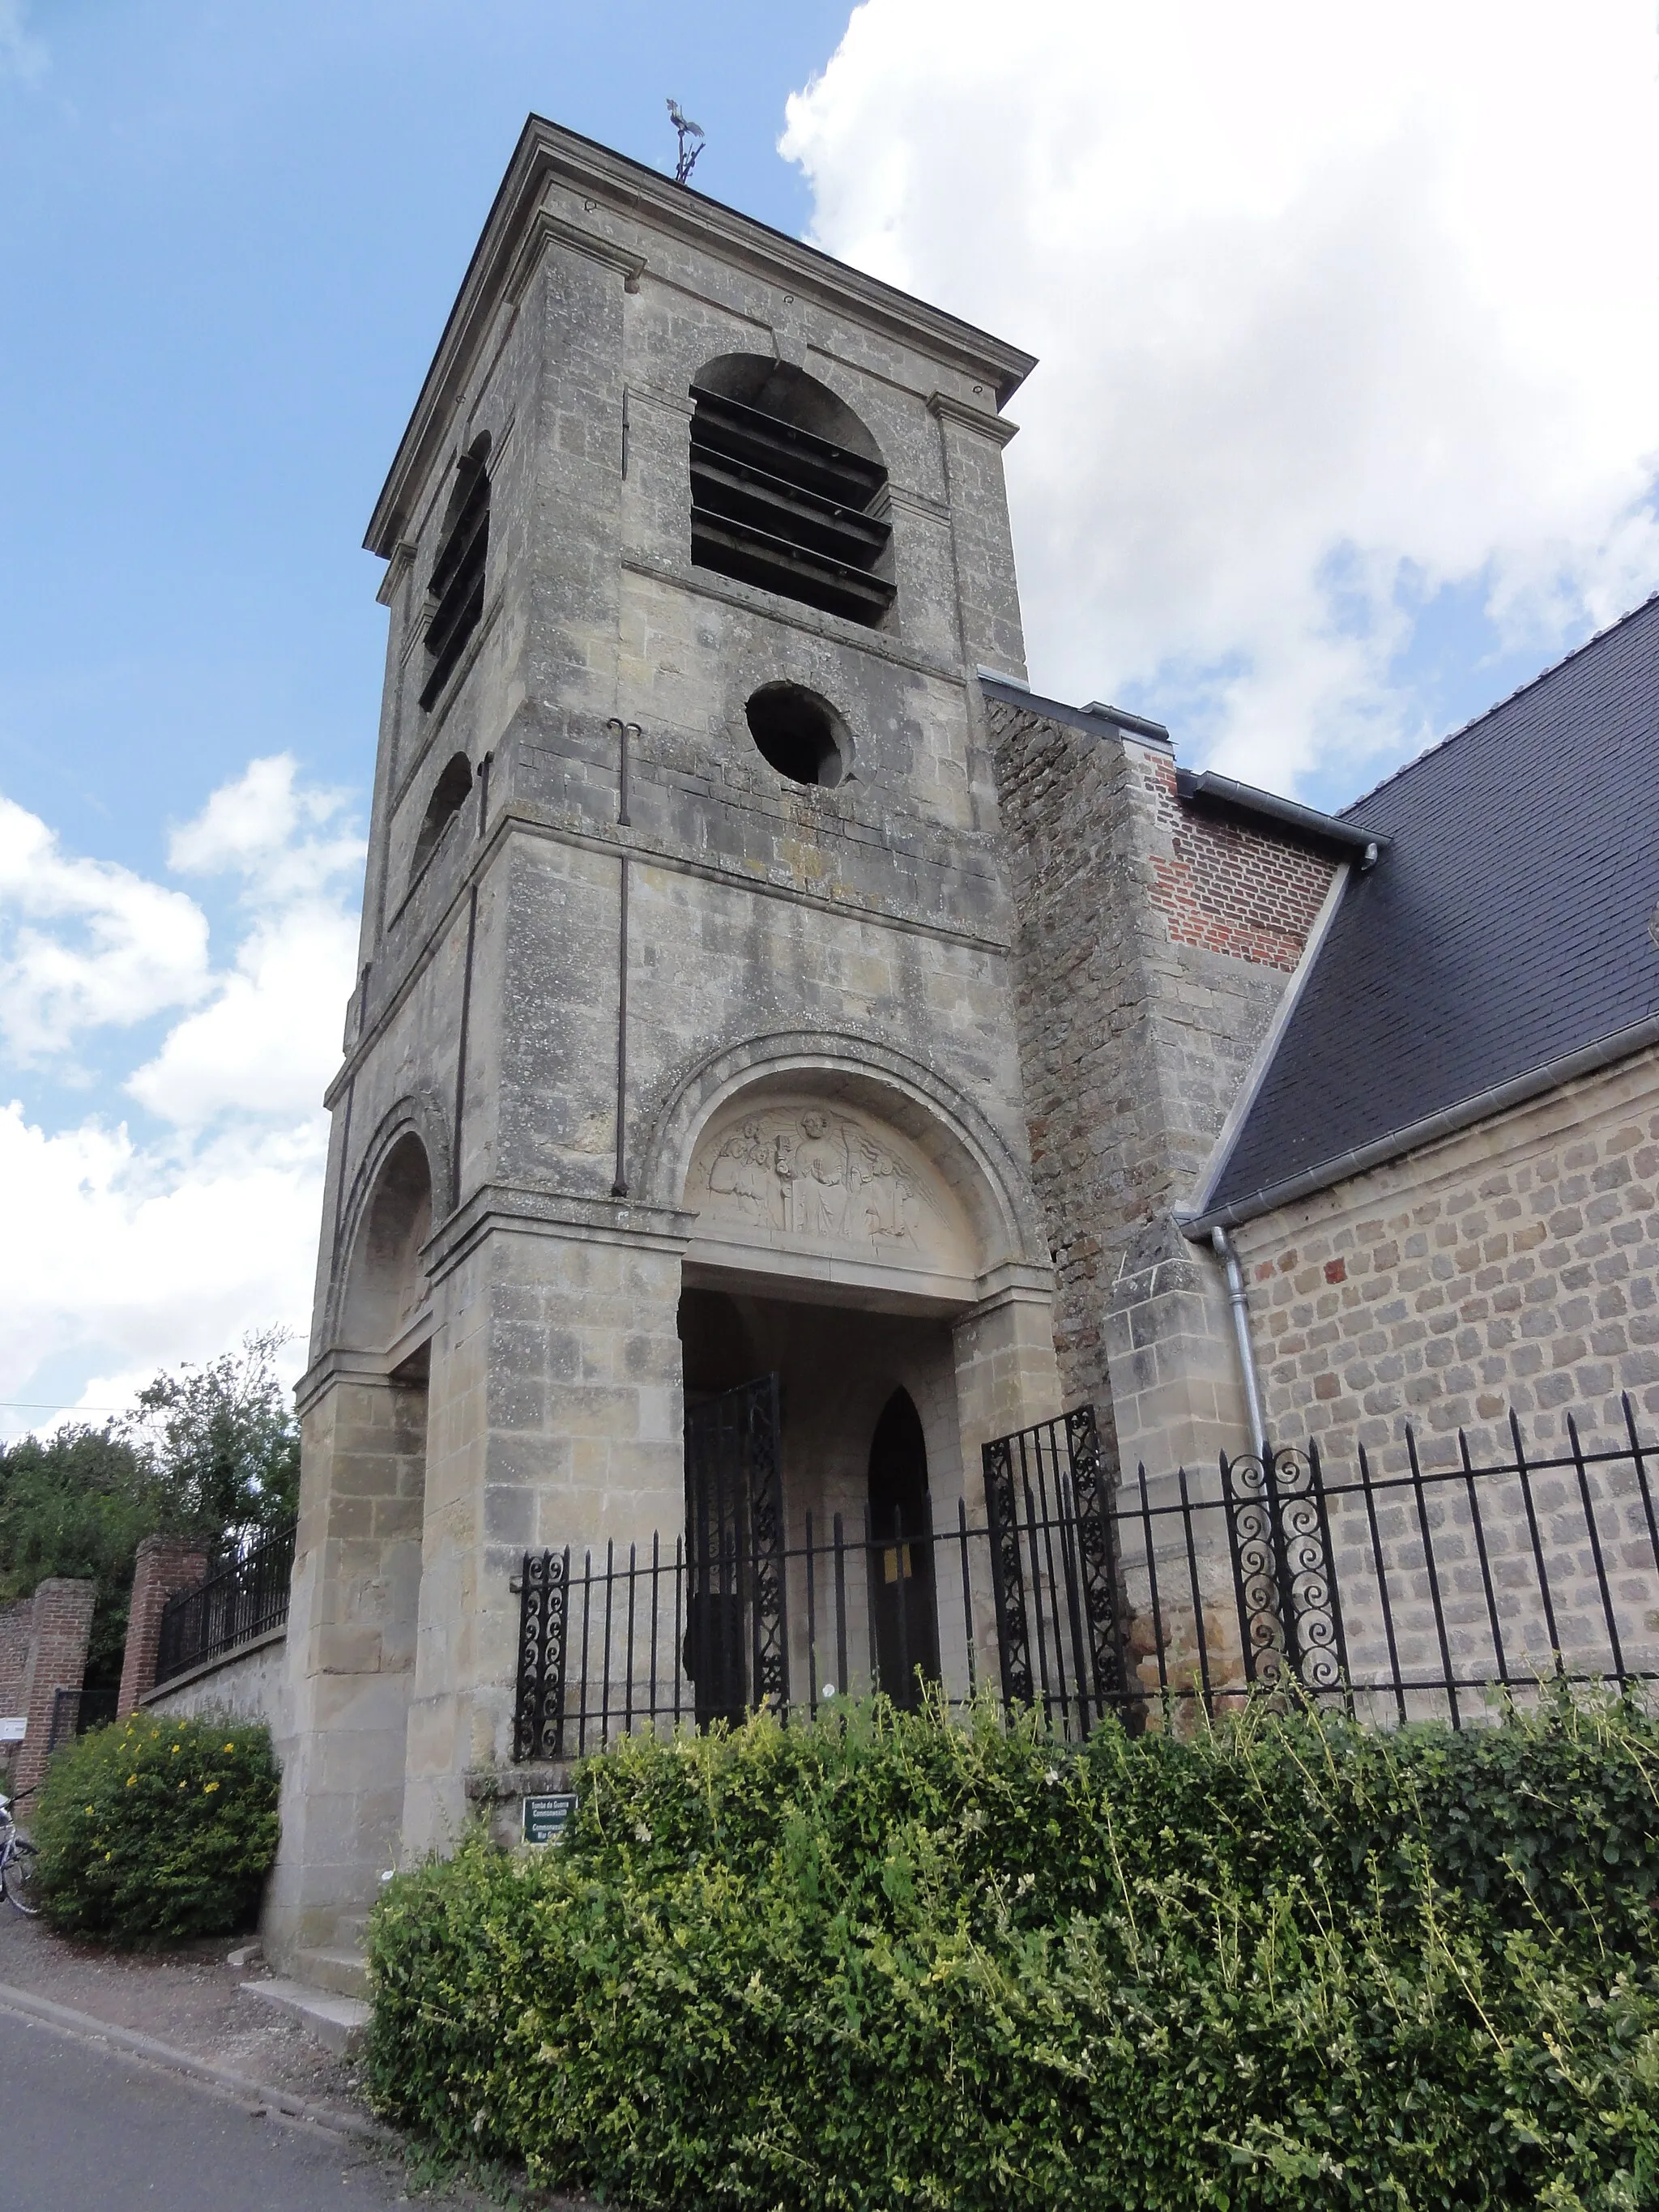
[891, 1962]
[153, 1829]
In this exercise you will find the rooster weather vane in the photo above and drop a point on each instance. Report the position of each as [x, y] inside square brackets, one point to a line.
[690, 137]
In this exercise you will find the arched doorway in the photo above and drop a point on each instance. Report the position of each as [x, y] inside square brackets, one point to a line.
[902, 1565]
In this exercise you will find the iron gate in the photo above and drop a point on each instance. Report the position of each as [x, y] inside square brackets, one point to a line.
[736, 1648]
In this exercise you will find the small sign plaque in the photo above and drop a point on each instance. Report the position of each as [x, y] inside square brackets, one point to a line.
[545, 1818]
[13, 1730]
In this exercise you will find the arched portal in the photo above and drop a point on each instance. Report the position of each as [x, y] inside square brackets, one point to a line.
[900, 1528]
[854, 1253]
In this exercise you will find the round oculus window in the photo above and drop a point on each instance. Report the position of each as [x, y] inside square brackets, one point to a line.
[799, 734]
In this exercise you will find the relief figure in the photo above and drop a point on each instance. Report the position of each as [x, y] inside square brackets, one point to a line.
[742, 1170]
[822, 1178]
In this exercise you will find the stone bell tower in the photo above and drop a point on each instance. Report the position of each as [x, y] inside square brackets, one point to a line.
[684, 1044]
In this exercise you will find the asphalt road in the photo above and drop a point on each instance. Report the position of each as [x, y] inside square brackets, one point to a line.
[82, 2126]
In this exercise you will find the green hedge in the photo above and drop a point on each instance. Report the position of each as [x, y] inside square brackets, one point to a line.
[153, 1829]
[893, 1963]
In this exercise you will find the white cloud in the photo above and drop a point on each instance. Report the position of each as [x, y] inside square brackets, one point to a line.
[285, 842]
[127, 1252]
[144, 1258]
[1335, 307]
[84, 944]
[270, 1037]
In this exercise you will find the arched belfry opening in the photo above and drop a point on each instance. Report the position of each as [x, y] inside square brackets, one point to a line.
[904, 1605]
[456, 592]
[789, 488]
[448, 797]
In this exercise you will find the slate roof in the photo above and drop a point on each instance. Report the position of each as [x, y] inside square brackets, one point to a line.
[1507, 924]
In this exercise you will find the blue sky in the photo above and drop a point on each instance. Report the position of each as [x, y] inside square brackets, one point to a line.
[235, 232]
[1347, 422]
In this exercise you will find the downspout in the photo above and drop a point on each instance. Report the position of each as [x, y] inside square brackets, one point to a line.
[1221, 1245]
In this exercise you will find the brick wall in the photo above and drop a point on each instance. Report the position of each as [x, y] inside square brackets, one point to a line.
[1513, 1265]
[166, 1564]
[16, 1628]
[16, 1622]
[1141, 996]
[61, 1627]
[1233, 889]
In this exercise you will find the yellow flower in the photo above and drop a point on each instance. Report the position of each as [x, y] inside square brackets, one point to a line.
[175, 1750]
[88, 1808]
[208, 1788]
[230, 1747]
[109, 1855]
[182, 1785]
[131, 1779]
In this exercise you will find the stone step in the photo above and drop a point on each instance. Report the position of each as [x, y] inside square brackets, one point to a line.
[350, 1929]
[340, 1967]
[339, 2022]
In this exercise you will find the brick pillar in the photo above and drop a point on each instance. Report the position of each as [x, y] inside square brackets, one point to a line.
[57, 1660]
[166, 1565]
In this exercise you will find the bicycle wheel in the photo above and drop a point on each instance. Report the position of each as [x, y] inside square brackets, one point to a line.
[19, 1879]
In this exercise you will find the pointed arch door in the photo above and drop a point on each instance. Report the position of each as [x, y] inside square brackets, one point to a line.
[903, 1597]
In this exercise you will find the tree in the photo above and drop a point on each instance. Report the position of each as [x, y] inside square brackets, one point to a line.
[76, 1503]
[221, 1445]
[211, 1452]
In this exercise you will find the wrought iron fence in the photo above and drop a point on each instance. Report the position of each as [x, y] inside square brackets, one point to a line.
[245, 1598]
[1405, 1594]
[75, 1711]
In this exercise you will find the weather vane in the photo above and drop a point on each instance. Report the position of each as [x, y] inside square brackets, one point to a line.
[690, 135]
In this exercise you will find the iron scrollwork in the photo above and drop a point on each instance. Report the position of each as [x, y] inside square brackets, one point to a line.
[538, 1726]
[1007, 1577]
[1097, 1550]
[766, 1524]
[1290, 1617]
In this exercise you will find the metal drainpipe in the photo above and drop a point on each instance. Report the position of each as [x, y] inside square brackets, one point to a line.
[1221, 1244]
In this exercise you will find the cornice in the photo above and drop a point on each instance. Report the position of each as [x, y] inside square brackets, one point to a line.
[615, 189]
[996, 428]
[547, 229]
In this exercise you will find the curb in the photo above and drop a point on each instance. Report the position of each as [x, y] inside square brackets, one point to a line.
[224, 2078]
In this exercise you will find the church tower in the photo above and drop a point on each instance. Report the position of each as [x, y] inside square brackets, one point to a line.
[683, 1047]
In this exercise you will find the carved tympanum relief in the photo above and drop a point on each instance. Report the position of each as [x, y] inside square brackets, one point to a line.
[805, 1173]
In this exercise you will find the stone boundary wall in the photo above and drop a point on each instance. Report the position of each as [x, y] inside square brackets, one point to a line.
[1515, 1265]
[247, 1685]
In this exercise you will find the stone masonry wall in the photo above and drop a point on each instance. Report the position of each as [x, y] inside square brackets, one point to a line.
[1513, 1266]
[246, 1686]
[1146, 976]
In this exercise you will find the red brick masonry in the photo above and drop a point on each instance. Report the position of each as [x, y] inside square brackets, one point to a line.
[1232, 889]
[62, 1626]
[166, 1565]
